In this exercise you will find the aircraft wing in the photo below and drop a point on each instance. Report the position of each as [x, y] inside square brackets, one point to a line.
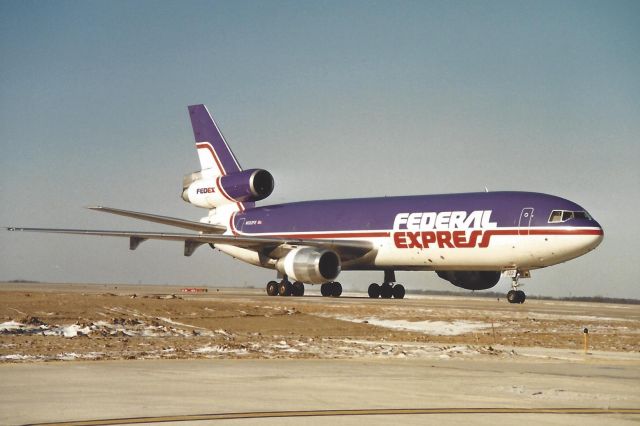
[165, 220]
[271, 247]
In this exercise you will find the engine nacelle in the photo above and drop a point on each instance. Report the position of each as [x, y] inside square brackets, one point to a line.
[248, 185]
[471, 280]
[245, 186]
[310, 265]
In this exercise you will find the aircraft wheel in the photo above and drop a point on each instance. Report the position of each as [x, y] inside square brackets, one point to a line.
[325, 289]
[398, 291]
[284, 289]
[386, 291]
[374, 291]
[272, 288]
[336, 289]
[521, 297]
[512, 296]
[298, 288]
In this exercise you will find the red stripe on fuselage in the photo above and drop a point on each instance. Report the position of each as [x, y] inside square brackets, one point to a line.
[383, 234]
[207, 145]
[232, 226]
[577, 231]
[222, 191]
[322, 235]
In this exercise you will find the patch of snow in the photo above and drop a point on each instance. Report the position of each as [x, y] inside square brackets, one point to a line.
[74, 330]
[170, 321]
[441, 328]
[116, 327]
[218, 349]
[539, 315]
[68, 356]
[92, 355]
[16, 357]
[10, 325]
[211, 349]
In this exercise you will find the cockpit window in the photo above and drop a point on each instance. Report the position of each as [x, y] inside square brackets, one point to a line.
[556, 216]
[565, 215]
[582, 215]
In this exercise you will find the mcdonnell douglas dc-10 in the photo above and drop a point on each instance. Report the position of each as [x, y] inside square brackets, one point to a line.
[468, 239]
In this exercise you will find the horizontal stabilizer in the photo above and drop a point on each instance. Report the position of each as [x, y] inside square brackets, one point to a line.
[171, 221]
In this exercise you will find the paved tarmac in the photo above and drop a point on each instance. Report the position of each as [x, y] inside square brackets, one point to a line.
[443, 391]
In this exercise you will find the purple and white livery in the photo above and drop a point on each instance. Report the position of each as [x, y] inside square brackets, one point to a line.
[469, 239]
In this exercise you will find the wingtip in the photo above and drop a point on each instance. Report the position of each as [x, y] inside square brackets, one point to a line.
[94, 207]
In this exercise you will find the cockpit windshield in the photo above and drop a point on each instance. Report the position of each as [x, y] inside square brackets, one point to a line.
[565, 215]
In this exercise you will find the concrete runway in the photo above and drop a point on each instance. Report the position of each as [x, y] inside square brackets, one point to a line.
[528, 390]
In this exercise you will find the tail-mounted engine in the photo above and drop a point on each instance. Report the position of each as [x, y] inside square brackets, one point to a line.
[239, 187]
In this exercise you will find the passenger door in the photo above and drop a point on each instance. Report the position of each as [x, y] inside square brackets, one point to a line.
[525, 221]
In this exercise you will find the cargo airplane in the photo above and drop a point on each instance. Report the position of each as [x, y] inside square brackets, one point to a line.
[468, 239]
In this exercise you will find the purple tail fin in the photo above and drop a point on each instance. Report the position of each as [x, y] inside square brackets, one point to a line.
[213, 151]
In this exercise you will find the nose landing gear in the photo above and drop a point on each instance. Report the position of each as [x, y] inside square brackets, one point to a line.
[514, 295]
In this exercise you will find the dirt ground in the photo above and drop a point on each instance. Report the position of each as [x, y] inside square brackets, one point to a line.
[42, 322]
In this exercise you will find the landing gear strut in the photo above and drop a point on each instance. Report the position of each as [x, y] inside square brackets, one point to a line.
[388, 289]
[514, 295]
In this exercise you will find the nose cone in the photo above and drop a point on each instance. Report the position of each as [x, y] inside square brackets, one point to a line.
[594, 236]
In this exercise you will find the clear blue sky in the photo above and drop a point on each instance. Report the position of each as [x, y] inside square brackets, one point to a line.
[336, 99]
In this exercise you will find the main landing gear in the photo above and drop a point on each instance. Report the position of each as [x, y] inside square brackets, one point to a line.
[332, 289]
[515, 295]
[388, 289]
[285, 288]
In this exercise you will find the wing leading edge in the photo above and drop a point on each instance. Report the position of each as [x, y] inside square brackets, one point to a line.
[271, 247]
[165, 220]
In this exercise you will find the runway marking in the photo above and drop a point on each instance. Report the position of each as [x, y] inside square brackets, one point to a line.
[330, 413]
